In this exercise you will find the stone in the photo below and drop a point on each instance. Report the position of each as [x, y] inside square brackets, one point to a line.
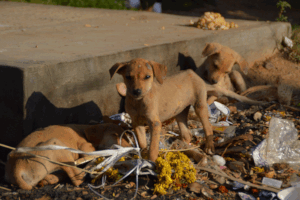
[257, 116]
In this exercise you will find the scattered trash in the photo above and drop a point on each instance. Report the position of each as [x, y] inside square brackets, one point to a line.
[229, 174]
[268, 115]
[267, 195]
[236, 186]
[272, 182]
[291, 193]
[199, 132]
[281, 146]
[217, 113]
[245, 196]
[287, 42]
[123, 117]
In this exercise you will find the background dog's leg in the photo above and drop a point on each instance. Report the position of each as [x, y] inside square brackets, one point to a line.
[238, 81]
[181, 119]
[141, 135]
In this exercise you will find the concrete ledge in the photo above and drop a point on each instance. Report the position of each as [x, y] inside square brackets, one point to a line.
[54, 60]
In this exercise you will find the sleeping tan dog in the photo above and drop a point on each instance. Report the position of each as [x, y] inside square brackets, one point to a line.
[152, 98]
[26, 171]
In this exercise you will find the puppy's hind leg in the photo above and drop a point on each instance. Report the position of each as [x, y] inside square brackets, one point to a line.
[181, 119]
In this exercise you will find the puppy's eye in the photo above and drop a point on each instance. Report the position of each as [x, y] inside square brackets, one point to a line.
[146, 77]
[128, 78]
[215, 66]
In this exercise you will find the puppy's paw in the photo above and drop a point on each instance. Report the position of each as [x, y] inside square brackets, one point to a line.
[209, 145]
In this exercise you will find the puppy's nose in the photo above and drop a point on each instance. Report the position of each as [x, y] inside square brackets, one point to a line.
[213, 81]
[137, 92]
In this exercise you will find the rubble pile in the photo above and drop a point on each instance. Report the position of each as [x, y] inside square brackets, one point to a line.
[256, 157]
[213, 21]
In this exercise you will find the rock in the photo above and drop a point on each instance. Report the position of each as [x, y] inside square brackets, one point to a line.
[237, 166]
[232, 109]
[207, 192]
[219, 160]
[280, 166]
[268, 65]
[270, 174]
[195, 187]
[219, 179]
[203, 162]
[257, 116]
[194, 124]
[213, 186]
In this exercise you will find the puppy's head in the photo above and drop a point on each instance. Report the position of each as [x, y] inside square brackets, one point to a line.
[221, 60]
[138, 75]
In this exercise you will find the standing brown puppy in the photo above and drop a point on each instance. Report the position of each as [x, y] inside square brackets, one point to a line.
[152, 102]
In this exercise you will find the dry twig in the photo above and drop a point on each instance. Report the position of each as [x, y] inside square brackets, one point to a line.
[239, 180]
[3, 188]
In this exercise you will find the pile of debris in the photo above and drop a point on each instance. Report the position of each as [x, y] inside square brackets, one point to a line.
[257, 156]
[213, 21]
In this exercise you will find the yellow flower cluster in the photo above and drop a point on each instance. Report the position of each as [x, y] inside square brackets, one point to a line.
[258, 169]
[213, 21]
[229, 159]
[184, 172]
[111, 173]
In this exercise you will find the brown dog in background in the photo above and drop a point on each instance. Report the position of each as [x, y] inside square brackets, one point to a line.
[152, 102]
[26, 171]
[217, 69]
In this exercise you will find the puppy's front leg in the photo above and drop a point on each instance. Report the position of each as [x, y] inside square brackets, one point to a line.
[141, 135]
[155, 129]
[238, 81]
[202, 112]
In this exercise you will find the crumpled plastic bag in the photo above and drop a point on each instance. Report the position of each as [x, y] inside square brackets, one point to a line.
[215, 111]
[282, 145]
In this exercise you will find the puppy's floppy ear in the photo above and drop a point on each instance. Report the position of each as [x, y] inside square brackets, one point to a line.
[211, 48]
[116, 68]
[242, 63]
[122, 89]
[160, 71]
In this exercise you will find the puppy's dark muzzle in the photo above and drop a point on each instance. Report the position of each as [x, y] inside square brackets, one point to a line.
[213, 81]
[137, 92]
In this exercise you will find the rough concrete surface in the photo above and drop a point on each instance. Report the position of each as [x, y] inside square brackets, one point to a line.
[54, 60]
